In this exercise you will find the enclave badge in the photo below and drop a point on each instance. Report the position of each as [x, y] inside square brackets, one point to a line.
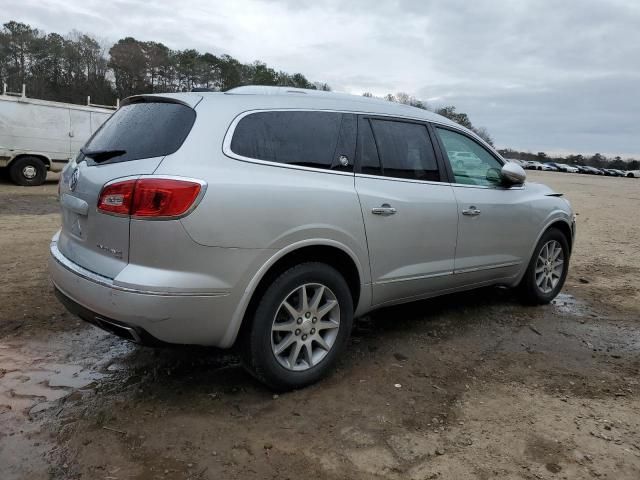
[73, 181]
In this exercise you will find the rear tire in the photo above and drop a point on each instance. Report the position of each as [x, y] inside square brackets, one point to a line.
[545, 276]
[292, 342]
[28, 171]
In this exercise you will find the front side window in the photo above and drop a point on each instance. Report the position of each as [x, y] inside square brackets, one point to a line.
[308, 139]
[471, 163]
[405, 150]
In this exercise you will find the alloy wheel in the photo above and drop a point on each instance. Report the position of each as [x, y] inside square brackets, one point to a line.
[549, 266]
[305, 326]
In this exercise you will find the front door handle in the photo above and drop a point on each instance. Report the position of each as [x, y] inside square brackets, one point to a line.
[471, 211]
[385, 209]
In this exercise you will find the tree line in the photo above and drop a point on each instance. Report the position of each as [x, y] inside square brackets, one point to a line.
[70, 68]
[448, 111]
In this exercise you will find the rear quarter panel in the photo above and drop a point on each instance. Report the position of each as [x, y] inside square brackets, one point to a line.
[253, 206]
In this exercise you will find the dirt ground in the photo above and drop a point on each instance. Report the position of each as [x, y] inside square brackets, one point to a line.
[466, 386]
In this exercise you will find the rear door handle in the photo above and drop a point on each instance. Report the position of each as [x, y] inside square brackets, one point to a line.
[471, 211]
[385, 209]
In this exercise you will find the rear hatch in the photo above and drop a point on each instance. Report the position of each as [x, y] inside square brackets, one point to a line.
[131, 143]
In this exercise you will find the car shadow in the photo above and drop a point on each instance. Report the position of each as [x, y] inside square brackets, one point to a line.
[163, 371]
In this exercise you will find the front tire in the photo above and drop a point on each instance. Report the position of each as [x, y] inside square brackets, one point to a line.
[28, 171]
[547, 269]
[300, 328]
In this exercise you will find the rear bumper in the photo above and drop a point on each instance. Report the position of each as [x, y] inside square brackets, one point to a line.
[128, 332]
[141, 316]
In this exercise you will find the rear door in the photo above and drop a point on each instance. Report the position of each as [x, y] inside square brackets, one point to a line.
[132, 142]
[495, 229]
[410, 214]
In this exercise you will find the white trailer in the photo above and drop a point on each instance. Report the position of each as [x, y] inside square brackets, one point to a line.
[37, 136]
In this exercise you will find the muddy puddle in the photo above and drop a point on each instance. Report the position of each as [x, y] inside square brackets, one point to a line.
[35, 376]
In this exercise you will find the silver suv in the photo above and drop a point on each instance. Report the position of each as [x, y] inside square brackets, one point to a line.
[270, 217]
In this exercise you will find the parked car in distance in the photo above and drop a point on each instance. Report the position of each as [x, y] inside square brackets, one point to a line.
[269, 217]
[554, 167]
[633, 173]
[534, 165]
[582, 169]
[569, 168]
[593, 170]
[619, 172]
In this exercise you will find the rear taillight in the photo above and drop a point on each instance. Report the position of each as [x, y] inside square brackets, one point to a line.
[149, 197]
[116, 197]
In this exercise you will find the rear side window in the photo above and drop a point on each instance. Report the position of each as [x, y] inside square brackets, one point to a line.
[143, 130]
[405, 150]
[308, 139]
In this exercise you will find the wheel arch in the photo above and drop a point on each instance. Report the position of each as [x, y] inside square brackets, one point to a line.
[326, 251]
[561, 224]
[565, 228]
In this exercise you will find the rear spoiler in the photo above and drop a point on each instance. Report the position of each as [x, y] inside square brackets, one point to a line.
[186, 99]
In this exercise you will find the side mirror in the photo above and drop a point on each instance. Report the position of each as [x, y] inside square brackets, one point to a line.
[513, 174]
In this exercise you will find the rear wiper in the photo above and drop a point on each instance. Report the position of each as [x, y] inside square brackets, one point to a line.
[102, 155]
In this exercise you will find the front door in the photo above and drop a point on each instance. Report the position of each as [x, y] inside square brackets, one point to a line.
[410, 216]
[495, 227]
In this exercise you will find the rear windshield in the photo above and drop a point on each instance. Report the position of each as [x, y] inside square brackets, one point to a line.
[143, 130]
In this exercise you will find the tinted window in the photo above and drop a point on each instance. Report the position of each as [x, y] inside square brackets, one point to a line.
[405, 150]
[143, 130]
[471, 163]
[308, 139]
[368, 153]
[343, 158]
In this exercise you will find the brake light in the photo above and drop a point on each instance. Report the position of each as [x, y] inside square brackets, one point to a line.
[149, 197]
[116, 198]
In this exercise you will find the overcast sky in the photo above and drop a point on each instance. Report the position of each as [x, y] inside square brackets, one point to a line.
[559, 76]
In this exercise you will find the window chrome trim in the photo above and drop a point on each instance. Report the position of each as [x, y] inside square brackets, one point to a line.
[228, 137]
[490, 187]
[398, 179]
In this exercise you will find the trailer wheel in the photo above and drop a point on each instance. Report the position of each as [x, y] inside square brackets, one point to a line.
[28, 171]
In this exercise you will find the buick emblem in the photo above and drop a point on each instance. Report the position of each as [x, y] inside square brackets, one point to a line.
[73, 181]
